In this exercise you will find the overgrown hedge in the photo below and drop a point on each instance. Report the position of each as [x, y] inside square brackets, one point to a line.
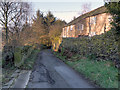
[101, 47]
[15, 55]
[21, 53]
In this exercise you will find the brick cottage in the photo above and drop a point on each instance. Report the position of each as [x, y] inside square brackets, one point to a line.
[92, 23]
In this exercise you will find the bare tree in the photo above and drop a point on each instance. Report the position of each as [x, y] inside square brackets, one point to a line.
[13, 15]
[86, 7]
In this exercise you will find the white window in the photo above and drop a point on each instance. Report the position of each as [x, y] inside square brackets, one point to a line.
[67, 31]
[93, 20]
[82, 27]
[67, 28]
[71, 27]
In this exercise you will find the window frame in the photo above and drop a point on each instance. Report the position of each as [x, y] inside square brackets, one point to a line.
[78, 27]
[82, 27]
[95, 20]
[71, 27]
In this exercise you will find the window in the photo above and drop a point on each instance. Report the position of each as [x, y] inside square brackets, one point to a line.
[67, 31]
[71, 27]
[93, 20]
[67, 28]
[82, 27]
[78, 27]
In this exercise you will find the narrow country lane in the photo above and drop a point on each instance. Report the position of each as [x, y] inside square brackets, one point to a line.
[50, 72]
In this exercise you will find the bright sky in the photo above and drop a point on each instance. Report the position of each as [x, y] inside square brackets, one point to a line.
[63, 9]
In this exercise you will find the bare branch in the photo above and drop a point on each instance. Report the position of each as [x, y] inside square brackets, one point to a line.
[2, 21]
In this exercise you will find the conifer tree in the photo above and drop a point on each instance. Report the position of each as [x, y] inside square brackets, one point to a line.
[49, 20]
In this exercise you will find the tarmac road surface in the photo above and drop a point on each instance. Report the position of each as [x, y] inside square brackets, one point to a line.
[50, 72]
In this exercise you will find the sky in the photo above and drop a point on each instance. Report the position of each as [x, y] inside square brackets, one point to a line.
[64, 9]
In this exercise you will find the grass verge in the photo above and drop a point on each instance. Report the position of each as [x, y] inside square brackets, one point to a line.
[102, 73]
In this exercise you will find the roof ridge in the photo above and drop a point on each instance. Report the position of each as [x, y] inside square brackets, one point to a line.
[86, 14]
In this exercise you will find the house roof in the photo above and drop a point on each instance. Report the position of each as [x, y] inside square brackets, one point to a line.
[99, 10]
